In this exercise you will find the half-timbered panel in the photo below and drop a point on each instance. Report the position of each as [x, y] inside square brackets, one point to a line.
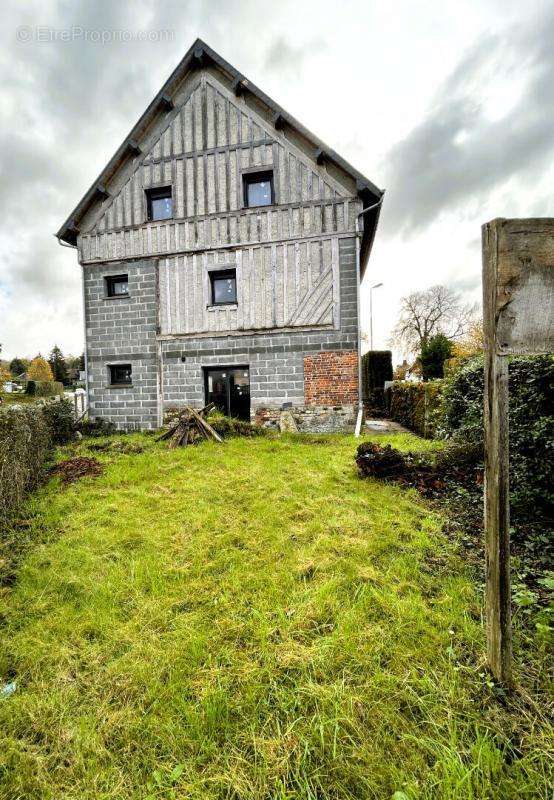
[278, 286]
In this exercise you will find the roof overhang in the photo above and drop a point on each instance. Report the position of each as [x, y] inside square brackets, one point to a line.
[198, 56]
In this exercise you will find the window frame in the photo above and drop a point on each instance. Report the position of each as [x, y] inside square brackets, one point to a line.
[257, 175]
[111, 280]
[116, 383]
[222, 274]
[151, 193]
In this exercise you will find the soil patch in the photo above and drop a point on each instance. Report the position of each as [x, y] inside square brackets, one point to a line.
[72, 469]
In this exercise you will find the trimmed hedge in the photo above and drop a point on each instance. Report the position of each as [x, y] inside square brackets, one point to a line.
[25, 440]
[531, 384]
[44, 388]
[416, 406]
[376, 369]
[27, 434]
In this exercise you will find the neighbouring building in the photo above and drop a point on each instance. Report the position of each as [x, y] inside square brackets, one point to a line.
[221, 250]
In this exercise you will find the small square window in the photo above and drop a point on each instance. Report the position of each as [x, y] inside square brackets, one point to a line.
[117, 285]
[159, 203]
[120, 374]
[224, 287]
[258, 189]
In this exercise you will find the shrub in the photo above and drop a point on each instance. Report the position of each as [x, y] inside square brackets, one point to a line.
[531, 384]
[96, 427]
[376, 369]
[24, 443]
[60, 419]
[31, 388]
[48, 388]
[416, 405]
[433, 355]
[231, 426]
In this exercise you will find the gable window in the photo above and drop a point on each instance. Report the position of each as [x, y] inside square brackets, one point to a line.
[258, 189]
[159, 203]
[117, 286]
[120, 374]
[224, 287]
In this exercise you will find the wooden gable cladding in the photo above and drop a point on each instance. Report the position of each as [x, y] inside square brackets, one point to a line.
[284, 285]
[202, 150]
[247, 227]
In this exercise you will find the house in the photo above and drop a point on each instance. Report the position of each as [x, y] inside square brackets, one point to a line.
[221, 250]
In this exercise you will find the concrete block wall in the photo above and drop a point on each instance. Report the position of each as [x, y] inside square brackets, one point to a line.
[122, 330]
[275, 359]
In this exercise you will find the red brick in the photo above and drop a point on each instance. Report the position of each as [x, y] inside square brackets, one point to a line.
[331, 378]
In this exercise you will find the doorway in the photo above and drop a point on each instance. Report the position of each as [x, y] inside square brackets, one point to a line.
[229, 389]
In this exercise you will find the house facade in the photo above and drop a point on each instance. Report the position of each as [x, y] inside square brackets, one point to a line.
[221, 250]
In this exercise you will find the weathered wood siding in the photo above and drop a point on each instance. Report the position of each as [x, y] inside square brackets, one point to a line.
[279, 285]
[201, 151]
[286, 255]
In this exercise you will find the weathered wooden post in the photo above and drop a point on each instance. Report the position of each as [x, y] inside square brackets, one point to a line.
[518, 318]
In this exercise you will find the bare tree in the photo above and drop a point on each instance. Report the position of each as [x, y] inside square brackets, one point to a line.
[431, 311]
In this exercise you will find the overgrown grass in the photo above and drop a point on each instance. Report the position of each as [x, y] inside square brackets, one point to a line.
[251, 621]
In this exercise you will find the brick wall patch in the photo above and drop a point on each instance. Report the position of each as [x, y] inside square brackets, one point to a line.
[331, 378]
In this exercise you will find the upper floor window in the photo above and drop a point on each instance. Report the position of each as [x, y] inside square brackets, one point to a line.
[120, 374]
[117, 285]
[159, 203]
[224, 287]
[258, 188]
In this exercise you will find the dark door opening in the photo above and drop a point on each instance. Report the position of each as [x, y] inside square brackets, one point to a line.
[229, 389]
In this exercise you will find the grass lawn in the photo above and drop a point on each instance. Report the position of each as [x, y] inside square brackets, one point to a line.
[251, 622]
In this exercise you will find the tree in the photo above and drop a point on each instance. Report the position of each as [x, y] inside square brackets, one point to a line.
[18, 366]
[429, 312]
[39, 370]
[433, 355]
[58, 365]
[471, 343]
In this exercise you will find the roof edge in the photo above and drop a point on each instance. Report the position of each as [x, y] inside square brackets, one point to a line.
[200, 55]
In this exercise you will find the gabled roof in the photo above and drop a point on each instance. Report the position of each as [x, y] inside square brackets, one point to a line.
[200, 55]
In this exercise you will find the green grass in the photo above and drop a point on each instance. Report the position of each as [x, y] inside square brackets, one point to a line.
[251, 621]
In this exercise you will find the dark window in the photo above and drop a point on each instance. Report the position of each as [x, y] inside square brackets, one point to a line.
[120, 374]
[117, 285]
[258, 189]
[160, 203]
[224, 287]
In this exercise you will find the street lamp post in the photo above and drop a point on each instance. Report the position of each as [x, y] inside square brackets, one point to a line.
[371, 288]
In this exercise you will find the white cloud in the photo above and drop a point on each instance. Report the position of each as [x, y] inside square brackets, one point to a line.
[404, 91]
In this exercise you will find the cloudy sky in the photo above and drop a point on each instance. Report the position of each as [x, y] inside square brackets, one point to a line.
[448, 105]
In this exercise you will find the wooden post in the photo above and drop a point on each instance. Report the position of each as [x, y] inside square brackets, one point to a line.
[497, 507]
[518, 318]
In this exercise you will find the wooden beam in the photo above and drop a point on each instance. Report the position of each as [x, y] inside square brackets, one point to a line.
[320, 156]
[239, 86]
[165, 102]
[134, 147]
[101, 192]
[497, 504]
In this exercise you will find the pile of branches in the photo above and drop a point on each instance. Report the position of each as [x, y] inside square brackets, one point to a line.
[190, 427]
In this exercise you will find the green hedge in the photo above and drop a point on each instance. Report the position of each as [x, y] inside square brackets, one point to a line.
[27, 434]
[25, 441]
[416, 406]
[531, 384]
[376, 369]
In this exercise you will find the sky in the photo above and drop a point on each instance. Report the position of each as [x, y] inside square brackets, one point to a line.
[446, 105]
